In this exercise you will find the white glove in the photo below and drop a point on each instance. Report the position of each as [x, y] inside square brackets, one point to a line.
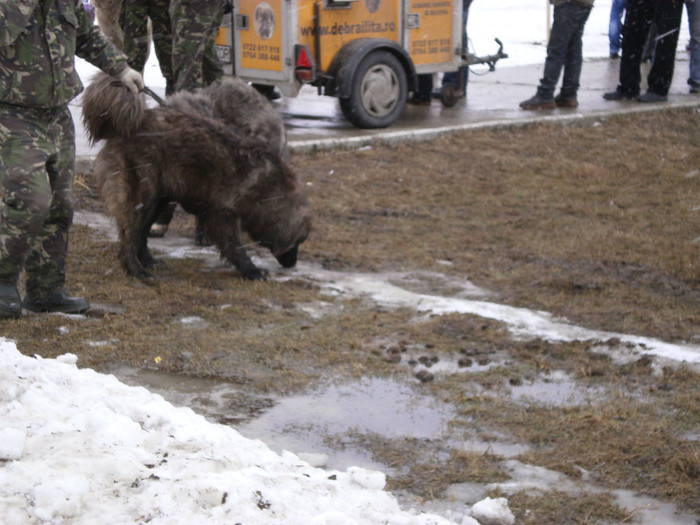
[132, 79]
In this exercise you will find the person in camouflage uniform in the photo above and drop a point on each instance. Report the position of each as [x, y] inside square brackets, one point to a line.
[133, 20]
[38, 43]
[195, 25]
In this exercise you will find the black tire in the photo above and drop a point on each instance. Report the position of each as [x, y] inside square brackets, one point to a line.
[449, 95]
[378, 92]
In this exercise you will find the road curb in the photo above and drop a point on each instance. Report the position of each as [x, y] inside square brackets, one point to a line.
[84, 164]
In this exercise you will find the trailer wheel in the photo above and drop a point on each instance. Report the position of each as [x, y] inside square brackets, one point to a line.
[449, 95]
[378, 92]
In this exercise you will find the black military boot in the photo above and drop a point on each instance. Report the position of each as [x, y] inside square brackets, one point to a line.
[10, 302]
[56, 301]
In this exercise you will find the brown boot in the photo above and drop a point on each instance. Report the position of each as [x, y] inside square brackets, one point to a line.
[565, 102]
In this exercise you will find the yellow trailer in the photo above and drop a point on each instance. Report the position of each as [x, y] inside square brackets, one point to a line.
[367, 53]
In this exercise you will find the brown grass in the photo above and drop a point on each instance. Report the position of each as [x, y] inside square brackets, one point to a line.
[595, 221]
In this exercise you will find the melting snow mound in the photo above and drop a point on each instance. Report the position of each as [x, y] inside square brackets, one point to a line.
[81, 446]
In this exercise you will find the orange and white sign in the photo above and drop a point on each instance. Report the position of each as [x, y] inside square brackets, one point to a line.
[261, 42]
[431, 42]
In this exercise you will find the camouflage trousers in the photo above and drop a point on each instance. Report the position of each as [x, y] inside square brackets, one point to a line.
[133, 20]
[195, 26]
[37, 157]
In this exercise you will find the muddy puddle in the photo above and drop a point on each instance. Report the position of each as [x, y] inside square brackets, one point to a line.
[316, 426]
[556, 389]
[310, 424]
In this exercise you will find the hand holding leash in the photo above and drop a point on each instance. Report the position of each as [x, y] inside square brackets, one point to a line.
[132, 79]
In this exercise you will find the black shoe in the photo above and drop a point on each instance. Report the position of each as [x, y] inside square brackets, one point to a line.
[650, 96]
[618, 95]
[614, 55]
[537, 102]
[56, 302]
[10, 302]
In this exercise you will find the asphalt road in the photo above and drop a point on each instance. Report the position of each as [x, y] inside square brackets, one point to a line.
[315, 121]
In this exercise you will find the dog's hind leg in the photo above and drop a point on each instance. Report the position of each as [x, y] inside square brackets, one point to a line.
[145, 256]
[163, 218]
[224, 230]
[149, 214]
[200, 236]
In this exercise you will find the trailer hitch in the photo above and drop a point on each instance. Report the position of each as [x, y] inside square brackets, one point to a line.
[490, 60]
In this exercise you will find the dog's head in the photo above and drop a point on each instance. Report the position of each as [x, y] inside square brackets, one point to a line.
[264, 19]
[280, 219]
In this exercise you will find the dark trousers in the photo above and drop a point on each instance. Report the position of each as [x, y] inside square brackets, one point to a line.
[564, 50]
[666, 14]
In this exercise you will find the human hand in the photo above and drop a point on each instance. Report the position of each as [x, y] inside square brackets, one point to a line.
[132, 79]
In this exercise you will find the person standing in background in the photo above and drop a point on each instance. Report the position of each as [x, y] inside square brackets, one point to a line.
[452, 78]
[693, 8]
[195, 24]
[133, 20]
[615, 27]
[564, 51]
[425, 93]
[639, 16]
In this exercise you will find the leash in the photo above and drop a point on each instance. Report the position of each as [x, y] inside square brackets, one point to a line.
[153, 95]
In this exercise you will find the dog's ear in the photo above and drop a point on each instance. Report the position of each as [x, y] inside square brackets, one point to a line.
[110, 109]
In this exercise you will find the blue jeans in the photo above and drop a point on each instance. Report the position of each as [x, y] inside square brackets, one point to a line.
[564, 51]
[615, 27]
[694, 26]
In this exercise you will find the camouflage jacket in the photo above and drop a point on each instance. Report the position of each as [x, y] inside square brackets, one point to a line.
[38, 43]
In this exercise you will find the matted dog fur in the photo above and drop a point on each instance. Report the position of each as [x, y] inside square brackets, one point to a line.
[234, 102]
[232, 178]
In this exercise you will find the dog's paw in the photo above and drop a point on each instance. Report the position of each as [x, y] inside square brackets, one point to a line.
[141, 274]
[151, 280]
[256, 274]
[201, 239]
[157, 230]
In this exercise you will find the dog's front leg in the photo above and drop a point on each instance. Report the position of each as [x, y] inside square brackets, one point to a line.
[133, 246]
[128, 254]
[225, 232]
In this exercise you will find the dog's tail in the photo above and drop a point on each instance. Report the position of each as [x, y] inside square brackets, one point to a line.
[110, 109]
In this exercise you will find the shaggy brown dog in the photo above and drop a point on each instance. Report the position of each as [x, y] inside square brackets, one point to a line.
[231, 181]
[236, 103]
